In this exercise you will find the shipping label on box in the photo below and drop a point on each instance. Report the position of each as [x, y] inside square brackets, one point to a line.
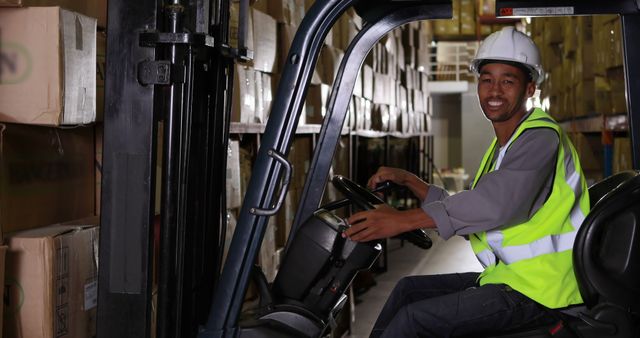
[48, 69]
[52, 282]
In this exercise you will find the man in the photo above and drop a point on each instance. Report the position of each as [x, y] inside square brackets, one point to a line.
[526, 203]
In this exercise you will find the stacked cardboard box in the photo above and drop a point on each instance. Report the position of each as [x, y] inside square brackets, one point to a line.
[390, 94]
[583, 65]
[51, 282]
[253, 81]
[622, 157]
[449, 27]
[95, 8]
[51, 76]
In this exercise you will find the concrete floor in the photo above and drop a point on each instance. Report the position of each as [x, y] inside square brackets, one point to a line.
[450, 256]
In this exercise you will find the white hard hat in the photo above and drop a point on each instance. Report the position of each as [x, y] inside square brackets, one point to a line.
[510, 45]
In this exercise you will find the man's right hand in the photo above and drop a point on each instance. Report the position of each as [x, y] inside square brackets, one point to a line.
[401, 177]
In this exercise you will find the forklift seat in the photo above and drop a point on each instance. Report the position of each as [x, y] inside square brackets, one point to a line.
[606, 256]
[310, 288]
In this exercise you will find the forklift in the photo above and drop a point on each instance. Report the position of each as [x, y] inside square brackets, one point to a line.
[171, 62]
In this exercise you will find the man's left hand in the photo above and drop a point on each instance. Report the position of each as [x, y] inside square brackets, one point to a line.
[384, 222]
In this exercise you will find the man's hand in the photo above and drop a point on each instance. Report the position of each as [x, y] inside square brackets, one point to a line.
[402, 177]
[384, 222]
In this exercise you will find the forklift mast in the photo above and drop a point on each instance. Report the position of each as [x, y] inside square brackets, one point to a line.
[169, 64]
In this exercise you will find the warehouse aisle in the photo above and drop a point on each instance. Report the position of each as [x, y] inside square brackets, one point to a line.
[454, 255]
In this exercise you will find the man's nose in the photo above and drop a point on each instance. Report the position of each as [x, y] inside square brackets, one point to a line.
[496, 87]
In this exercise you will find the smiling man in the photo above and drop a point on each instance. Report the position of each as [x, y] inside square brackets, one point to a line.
[526, 203]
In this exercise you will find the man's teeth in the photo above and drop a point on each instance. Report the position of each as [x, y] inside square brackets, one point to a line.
[495, 103]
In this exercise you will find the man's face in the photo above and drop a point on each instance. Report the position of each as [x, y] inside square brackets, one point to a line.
[503, 91]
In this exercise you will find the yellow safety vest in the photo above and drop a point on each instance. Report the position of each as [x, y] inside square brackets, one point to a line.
[535, 257]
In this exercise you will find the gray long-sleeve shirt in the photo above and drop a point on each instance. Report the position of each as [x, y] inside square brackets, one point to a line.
[506, 196]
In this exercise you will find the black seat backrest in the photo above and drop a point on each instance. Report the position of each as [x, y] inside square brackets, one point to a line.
[601, 188]
[606, 253]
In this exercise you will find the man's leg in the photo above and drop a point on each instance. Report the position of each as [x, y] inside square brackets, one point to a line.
[416, 288]
[489, 308]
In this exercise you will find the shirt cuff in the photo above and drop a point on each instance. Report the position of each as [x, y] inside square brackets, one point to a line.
[439, 215]
[435, 193]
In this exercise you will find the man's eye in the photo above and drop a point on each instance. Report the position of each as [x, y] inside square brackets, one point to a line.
[507, 82]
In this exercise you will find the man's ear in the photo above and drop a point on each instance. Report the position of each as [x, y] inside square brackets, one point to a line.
[531, 89]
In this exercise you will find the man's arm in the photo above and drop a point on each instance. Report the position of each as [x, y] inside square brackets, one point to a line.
[506, 196]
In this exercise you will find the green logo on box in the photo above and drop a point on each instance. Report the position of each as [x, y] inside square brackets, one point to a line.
[13, 296]
[15, 63]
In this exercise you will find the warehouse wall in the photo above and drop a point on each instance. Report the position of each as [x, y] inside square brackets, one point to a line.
[477, 132]
[447, 131]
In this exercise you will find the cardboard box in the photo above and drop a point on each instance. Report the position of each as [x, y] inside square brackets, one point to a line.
[243, 106]
[615, 77]
[622, 159]
[231, 222]
[380, 117]
[93, 8]
[367, 82]
[48, 168]
[552, 30]
[316, 103]
[359, 105]
[264, 96]
[284, 11]
[589, 148]
[382, 88]
[600, 49]
[614, 53]
[584, 62]
[49, 78]
[3, 253]
[101, 70]
[449, 27]
[234, 198]
[344, 30]
[366, 114]
[585, 98]
[602, 95]
[266, 258]
[52, 282]
[569, 36]
[419, 102]
[467, 17]
[264, 41]
[330, 58]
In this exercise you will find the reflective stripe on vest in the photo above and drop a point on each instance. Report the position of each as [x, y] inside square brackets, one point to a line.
[545, 245]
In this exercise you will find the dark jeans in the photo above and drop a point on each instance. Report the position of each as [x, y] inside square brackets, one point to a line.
[454, 305]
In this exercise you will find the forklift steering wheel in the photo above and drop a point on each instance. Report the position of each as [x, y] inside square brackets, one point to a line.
[367, 200]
